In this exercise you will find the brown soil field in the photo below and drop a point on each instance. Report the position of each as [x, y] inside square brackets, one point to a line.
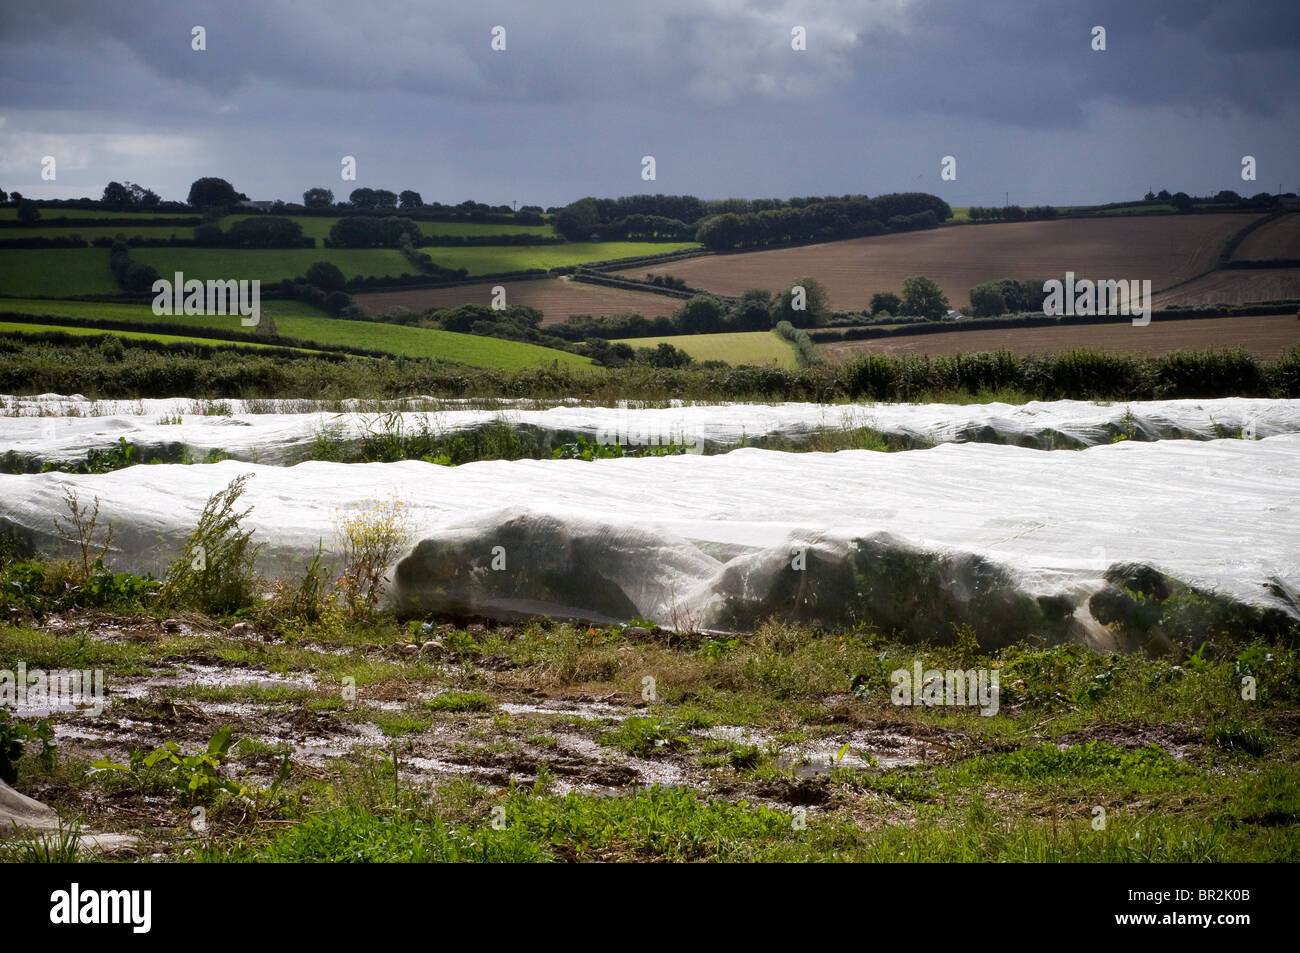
[1234, 286]
[1166, 249]
[556, 298]
[1265, 336]
[1277, 239]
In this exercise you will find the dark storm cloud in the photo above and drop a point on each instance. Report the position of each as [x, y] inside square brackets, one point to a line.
[585, 88]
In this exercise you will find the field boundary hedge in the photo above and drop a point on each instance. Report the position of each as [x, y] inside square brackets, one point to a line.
[1037, 319]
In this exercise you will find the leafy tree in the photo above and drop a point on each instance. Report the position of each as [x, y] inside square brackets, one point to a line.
[139, 277]
[1163, 195]
[385, 199]
[702, 314]
[753, 312]
[265, 232]
[212, 192]
[142, 197]
[116, 195]
[318, 198]
[209, 235]
[363, 198]
[986, 300]
[1182, 201]
[1228, 196]
[326, 276]
[578, 220]
[1149, 197]
[816, 304]
[665, 355]
[921, 296]
[4, 196]
[127, 195]
[28, 212]
[410, 199]
[885, 302]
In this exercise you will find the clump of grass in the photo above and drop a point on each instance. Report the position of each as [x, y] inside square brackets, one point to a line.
[643, 737]
[308, 602]
[1244, 736]
[461, 701]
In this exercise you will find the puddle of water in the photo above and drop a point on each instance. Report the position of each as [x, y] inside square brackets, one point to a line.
[594, 710]
[867, 748]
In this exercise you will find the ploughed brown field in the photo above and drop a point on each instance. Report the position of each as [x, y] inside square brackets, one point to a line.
[1234, 286]
[1166, 249]
[556, 298]
[1278, 239]
[1265, 336]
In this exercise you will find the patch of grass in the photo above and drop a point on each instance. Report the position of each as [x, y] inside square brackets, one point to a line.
[1243, 736]
[1093, 766]
[486, 260]
[300, 322]
[461, 701]
[398, 724]
[645, 737]
[55, 271]
[734, 347]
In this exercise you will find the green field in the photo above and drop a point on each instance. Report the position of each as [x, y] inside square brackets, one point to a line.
[11, 213]
[318, 226]
[294, 319]
[496, 259]
[734, 347]
[25, 328]
[55, 271]
[270, 265]
[91, 232]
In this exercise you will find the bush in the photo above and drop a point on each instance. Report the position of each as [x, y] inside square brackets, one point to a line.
[327, 276]
[216, 573]
[885, 302]
[804, 349]
[370, 542]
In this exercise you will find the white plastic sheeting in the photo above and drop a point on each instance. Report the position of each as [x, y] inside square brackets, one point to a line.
[53, 428]
[1011, 540]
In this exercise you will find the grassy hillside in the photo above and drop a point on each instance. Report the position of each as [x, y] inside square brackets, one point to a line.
[296, 320]
[737, 347]
[55, 271]
[24, 328]
[490, 260]
[318, 226]
[271, 264]
[11, 213]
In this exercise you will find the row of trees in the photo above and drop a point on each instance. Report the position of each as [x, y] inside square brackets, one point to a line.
[922, 297]
[1006, 296]
[740, 223]
[1013, 213]
[381, 199]
[255, 232]
[392, 231]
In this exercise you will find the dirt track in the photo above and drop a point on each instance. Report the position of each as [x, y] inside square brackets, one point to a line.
[1265, 336]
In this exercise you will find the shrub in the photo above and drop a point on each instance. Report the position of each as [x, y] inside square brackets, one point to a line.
[216, 573]
[370, 541]
[327, 276]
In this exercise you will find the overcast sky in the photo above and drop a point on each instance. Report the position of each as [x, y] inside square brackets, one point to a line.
[711, 88]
